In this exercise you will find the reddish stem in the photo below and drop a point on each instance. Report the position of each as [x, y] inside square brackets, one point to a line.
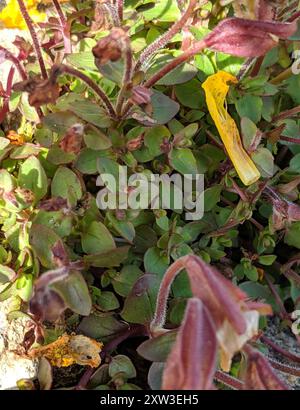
[294, 17]
[163, 293]
[126, 77]
[283, 313]
[257, 66]
[35, 40]
[120, 8]
[197, 48]
[64, 27]
[285, 368]
[280, 350]
[287, 113]
[290, 139]
[63, 68]
[5, 108]
[161, 41]
[228, 380]
[9, 56]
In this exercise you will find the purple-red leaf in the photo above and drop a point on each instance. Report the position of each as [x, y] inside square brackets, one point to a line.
[191, 363]
[248, 38]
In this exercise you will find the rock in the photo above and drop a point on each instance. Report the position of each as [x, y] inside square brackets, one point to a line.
[13, 367]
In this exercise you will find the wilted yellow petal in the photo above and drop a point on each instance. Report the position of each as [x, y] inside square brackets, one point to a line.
[230, 342]
[216, 89]
[71, 349]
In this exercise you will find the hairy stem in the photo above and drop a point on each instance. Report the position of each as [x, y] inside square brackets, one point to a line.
[161, 41]
[120, 8]
[228, 380]
[35, 40]
[64, 27]
[197, 48]
[9, 56]
[283, 313]
[285, 368]
[126, 78]
[163, 293]
[280, 350]
[65, 69]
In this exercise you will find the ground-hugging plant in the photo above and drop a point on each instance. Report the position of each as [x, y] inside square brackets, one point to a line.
[150, 86]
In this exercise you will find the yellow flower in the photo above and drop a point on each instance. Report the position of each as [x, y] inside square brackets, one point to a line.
[11, 17]
[216, 89]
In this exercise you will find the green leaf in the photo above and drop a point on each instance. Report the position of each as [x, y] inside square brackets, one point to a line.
[102, 326]
[295, 164]
[292, 236]
[42, 239]
[60, 122]
[164, 109]
[162, 10]
[57, 156]
[75, 293]
[107, 259]
[91, 112]
[58, 221]
[190, 94]
[267, 260]
[140, 304]
[228, 63]
[158, 348]
[7, 182]
[155, 261]
[97, 239]
[183, 161]
[107, 301]
[249, 131]
[124, 281]
[250, 106]
[87, 160]
[181, 74]
[66, 184]
[121, 365]
[96, 139]
[264, 160]
[212, 197]
[33, 177]
[292, 88]
[6, 274]
[84, 60]
[124, 228]
[25, 151]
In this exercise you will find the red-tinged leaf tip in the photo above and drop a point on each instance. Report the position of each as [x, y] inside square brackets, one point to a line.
[191, 363]
[248, 38]
[259, 374]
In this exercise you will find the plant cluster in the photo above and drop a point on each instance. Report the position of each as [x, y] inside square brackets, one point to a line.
[151, 85]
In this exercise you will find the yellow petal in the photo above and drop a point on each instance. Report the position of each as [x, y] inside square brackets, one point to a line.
[216, 89]
[11, 17]
[71, 349]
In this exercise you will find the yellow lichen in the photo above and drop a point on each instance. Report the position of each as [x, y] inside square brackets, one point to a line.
[71, 349]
